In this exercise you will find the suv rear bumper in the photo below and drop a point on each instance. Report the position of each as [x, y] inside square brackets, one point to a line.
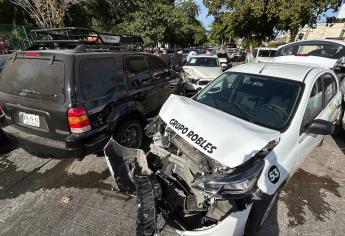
[75, 145]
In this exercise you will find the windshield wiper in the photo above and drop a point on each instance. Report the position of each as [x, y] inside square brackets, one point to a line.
[246, 115]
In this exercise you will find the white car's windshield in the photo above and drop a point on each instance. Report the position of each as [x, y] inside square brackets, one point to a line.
[263, 100]
[203, 61]
[318, 49]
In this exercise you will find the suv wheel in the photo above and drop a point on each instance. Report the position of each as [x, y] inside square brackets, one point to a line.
[129, 134]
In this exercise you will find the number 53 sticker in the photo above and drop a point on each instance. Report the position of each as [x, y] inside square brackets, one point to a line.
[273, 174]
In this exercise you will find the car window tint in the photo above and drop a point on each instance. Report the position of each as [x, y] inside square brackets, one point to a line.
[313, 48]
[157, 64]
[314, 105]
[266, 53]
[137, 71]
[267, 101]
[34, 78]
[225, 82]
[330, 86]
[99, 77]
[203, 61]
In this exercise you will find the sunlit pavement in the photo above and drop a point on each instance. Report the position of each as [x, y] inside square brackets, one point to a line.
[71, 197]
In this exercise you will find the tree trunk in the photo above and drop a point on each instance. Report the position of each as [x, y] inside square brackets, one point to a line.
[293, 34]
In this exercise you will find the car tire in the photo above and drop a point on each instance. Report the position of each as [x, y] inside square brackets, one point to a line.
[129, 133]
[259, 213]
[3, 138]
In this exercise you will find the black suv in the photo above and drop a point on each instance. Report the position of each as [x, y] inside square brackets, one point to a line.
[76, 90]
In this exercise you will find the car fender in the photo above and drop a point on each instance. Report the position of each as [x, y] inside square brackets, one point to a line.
[273, 175]
[124, 109]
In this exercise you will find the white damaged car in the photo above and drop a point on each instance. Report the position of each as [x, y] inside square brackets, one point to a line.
[218, 160]
[199, 71]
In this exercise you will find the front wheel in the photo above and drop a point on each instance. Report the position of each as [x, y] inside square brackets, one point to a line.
[259, 213]
[129, 134]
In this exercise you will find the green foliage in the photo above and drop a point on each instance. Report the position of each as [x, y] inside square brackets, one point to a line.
[259, 20]
[9, 13]
[155, 20]
[162, 21]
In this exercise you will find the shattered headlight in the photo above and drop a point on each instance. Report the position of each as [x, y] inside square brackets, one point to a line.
[239, 182]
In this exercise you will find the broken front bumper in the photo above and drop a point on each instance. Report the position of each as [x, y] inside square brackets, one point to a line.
[234, 224]
[131, 172]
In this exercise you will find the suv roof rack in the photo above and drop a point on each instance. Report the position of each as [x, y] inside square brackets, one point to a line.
[72, 37]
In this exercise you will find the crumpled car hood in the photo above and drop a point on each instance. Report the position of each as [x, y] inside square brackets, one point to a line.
[198, 72]
[223, 137]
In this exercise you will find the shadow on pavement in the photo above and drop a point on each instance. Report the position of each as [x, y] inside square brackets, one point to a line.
[339, 139]
[305, 190]
[53, 178]
[6, 146]
[270, 227]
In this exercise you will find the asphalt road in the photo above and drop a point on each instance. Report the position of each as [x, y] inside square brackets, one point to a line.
[71, 197]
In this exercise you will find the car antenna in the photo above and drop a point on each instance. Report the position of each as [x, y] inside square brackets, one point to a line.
[266, 64]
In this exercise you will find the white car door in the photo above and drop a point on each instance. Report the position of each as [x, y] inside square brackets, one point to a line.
[323, 103]
[333, 97]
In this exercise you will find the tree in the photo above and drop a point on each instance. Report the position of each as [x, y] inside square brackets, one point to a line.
[251, 20]
[169, 21]
[296, 14]
[46, 13]
[260, 20]
[10, 13]
[165, 21]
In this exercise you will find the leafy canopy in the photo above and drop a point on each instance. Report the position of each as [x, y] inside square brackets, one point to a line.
[260, 20]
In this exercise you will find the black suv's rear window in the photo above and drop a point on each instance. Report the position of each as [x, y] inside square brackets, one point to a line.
[34, 78]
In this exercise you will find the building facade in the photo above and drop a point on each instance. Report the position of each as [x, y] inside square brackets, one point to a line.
[322, 30]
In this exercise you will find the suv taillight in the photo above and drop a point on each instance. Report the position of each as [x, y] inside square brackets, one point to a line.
[78, 120]
[32, 54]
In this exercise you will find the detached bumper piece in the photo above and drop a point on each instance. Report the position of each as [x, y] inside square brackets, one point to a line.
[132, 175]
[163, 191]
[148, 219]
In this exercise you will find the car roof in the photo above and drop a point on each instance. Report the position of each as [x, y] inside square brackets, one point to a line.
[280, 70]
[338, 41]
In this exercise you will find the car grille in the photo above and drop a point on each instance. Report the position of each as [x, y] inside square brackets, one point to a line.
[204, 82]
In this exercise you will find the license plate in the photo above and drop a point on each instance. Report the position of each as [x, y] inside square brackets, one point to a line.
[30, 119]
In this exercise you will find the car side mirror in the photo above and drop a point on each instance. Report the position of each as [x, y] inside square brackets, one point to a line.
[318, 126]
